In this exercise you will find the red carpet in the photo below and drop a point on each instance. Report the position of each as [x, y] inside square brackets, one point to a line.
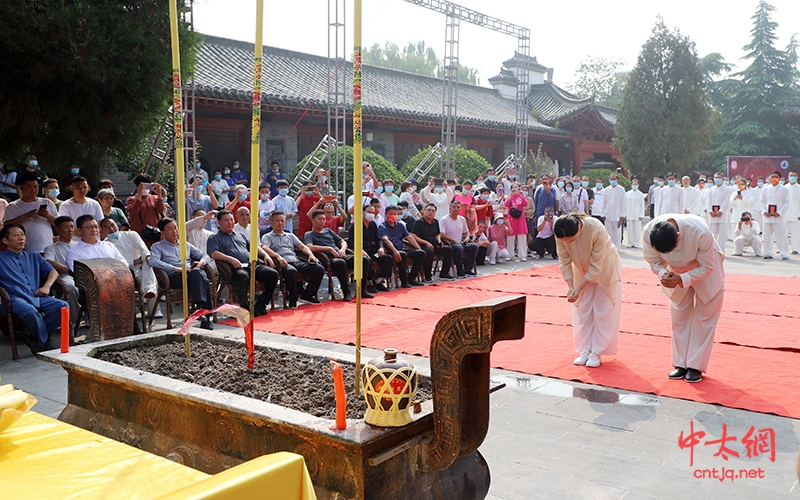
[754, 364]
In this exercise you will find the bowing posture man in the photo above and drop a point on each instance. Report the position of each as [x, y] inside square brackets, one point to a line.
[682, 251]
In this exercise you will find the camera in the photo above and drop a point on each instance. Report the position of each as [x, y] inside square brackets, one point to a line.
[745, 219]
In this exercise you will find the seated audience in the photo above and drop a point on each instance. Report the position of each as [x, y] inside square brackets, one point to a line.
[427, 233]
[456, 232]
[136, 254]
[56, 256]
[402, 247]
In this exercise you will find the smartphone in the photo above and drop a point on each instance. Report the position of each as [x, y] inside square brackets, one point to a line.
[327, 198]
[438, 181]
[148, 185]
[715, 208]
[205, 182]
[43, 207]
[366, 194]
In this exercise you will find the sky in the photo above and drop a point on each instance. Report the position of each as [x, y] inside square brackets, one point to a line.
[562, 33]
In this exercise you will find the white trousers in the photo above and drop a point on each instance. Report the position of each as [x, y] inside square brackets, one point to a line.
[793, 229]
[74, 296]
[720, 232]
[778, 232]
[740, 243]
[635, 232]
[494, 253]
[612, 227]
[693, 326]
[595, 320]
[522, 245]
[147, 277]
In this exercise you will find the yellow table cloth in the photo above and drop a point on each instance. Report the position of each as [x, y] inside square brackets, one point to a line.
[42, 458]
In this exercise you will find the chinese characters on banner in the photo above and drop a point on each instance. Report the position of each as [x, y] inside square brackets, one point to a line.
[753, 444]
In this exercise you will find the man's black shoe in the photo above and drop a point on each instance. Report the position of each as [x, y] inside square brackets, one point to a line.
[366, 295]
[677, 374]
[291, 304]
[371, 288]
[405, 285]
[311, 299]
[381, 287]
[49, 345]
[471, 272]
[260, 310]
[693, 375]
[206, 324]
[415, 283]
[429, 278]
[347, 297]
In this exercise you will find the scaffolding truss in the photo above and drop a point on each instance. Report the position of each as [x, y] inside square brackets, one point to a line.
[307, 172]
[433, 158]
[337, 95]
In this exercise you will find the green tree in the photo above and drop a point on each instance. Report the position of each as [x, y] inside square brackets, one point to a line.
[600, 78]
[85, 81]
[468, 164]
[753, 123]
[414, 58]
[664, 122]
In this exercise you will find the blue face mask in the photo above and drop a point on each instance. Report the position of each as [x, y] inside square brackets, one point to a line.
[512, 177]
[440, 189]
[379, 190]
[490, 178]
[560, 184]
[660, 183]
[485, 196]
[34, 163]
[309, 192]
[781, 182]
[671, 182]
[760, 183]
[405, 213]
[198, 165]
[113, 236]
[218, 177]
[324, 178]
[792, 178]
[599, 185]
[389, 189]
[635, 187]
[717, 181]
[75, 171]
[585, 184]
[242, 197]
[612, 182]
[569, 189]
[283, 191]
[726, 183]
[53, 193]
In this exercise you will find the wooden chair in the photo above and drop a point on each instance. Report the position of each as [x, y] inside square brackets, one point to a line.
[175, 295]
[9, 322]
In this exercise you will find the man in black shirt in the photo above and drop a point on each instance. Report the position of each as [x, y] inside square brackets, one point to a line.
[373, 247]
[426, 232]
[234, 248]
[322, 240]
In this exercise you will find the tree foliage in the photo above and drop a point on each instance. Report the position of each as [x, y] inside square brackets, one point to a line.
[664, 122]
[414, 58]
[468, 164]
[752, 102]
[85, 81]
[600, 77]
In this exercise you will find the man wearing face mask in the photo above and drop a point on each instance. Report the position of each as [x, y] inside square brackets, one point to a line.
[544, 197]
[323, 188]
[690, 195]
[272, 179]
[774, 207]
[634, 205]
[237, 175]
[136, 253]
[285, 203]
[508, 178]
[401, 247]
[241, 198]
[614, 209]
[202, 196]
[483, 206]
[198, 173]
[490, 180]
[747, 231]
[145, 208]
[670, 197]
[718, 207]
[309, 196]
[597, 205]
[439, 195]
[793, 212]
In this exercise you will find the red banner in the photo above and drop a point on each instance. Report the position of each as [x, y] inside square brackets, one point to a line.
[753, 167]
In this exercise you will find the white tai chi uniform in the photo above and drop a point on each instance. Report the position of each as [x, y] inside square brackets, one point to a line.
[132, 247]
[634, 206]
[755, 195]
[777, 196]
[690, 197]
[719, 200]
[694, 307]
[593, 258]
[747, 236]
[614, 211]
[792, 215]
[670, 200]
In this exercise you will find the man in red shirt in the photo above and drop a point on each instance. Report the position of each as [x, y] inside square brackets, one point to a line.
[309, 196]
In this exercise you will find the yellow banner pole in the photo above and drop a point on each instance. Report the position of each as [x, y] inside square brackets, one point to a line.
[177, 119]
[255, 150]
[357, 208]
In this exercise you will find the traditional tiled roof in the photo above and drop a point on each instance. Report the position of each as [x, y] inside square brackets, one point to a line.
[224, 71]
[532, 63]
[505, 76]
[555, 106]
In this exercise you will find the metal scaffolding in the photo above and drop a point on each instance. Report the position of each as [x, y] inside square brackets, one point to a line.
[337, 95]
[456, 13]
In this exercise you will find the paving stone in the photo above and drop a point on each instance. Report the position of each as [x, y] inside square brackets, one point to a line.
[523, 482]
[611, 415]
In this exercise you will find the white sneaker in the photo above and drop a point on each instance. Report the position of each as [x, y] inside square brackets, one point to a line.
[582, 358]
[492, 262]
[158, 314]
[523, 259]
[508, 259]
[593, 361]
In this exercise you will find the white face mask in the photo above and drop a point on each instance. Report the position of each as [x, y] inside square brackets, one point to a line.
[369, 217]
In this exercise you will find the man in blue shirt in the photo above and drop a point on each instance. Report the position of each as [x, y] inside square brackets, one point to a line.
[202, 197]
[544, 197]
[394, 235]
[237, 175]
[234, 248]
[272, 178]
[165, 255]
[21, 276]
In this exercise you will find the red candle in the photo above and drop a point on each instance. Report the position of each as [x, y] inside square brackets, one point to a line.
[65, 329]
[341, 398]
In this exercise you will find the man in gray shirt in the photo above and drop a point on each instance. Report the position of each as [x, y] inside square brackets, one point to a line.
[281, 246]
[165, 255]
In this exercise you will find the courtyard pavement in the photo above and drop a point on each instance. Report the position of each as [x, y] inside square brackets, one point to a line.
[553, 439]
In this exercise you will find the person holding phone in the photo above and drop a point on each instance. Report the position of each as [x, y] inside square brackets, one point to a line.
[36, 215]
[146, 208]
[439, 194]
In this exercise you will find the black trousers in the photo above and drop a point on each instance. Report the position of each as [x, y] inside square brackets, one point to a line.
[447, 260]
[480, 260]
[417, 258]
[540, 245]
[264, 274]
[340, 266]
[198, 284]
[315, 273]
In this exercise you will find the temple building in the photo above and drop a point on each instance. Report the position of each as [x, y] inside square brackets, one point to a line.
[402, 111]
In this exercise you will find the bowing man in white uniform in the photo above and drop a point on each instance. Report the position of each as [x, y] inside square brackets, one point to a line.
[670, 197]
[634, 213]
[681, 250]
[614, 209]
[718, 205]
[774, 206]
